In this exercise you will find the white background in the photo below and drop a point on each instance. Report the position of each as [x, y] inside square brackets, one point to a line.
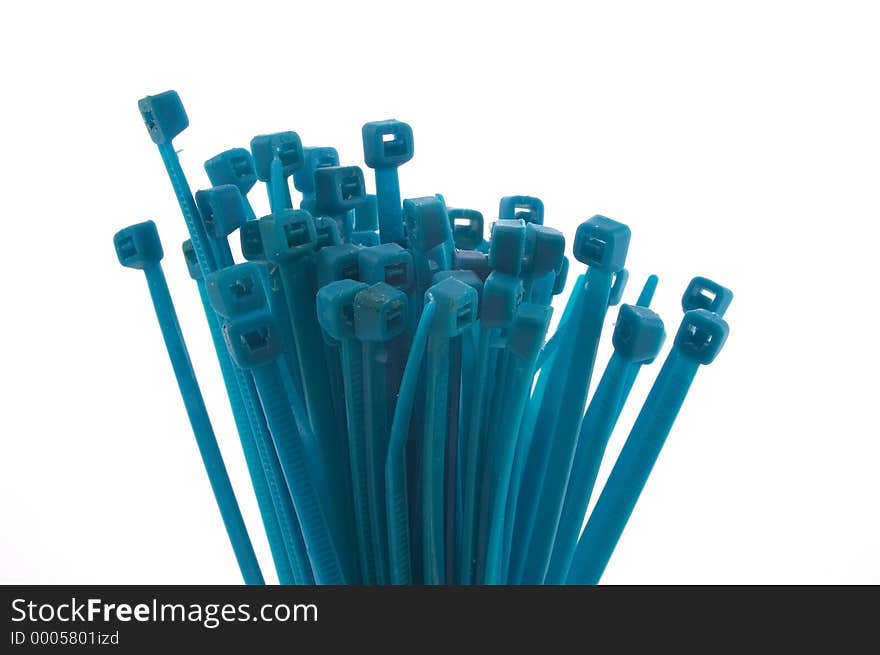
[738, 140]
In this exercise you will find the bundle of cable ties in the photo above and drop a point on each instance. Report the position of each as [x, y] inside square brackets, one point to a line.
[404, 415]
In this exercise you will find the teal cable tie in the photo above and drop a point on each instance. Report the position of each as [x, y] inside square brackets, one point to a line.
[644, 300]
[165, 118]
[277, 157]
[250, 422]
[388, 145]
[253, 342]
[638, 337]
[335, 305]
[290, 239]
[234, 291]
[339, 191]
[139, 247]
[236, 167]
[698, 341]
[456, 311]
[380, 316]
[501, 297]
[602, 244]
[537, 434]
[523, 483]
[526, 335]
[396, 497]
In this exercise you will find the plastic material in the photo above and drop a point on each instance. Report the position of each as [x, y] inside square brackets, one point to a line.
[388, 145]
[138, 246]
[404, 415]
[698, 341]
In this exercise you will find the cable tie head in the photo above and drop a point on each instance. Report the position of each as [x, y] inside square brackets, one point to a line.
[222, 210]
[502, 296]
[286, 146]
[337, 263]
[380, 313]
[638, 334]
[468, 277]
[387, 263]
[387, 144]
[253, 339]
[164, 116]
[701, 335]
[602, 243]
[326, 232]
[239, 290]
[526, 208]
[545, 249]
[251, 237]
[288, 234]
[427, 223]
[703, 293]
[313, 159]
[338, 189]
[456, 304]
[507, 246]
[138, 246]
[235, 166]
[335, 307]
[467, 227]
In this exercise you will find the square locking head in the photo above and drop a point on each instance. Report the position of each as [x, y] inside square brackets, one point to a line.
[507, 246]
[222, 209]
[467, 277]
[285, 145]
[164, 116]
[388, 263]
[313, 159]
[602, 243]
[528, 329]
[701, 335]
[192, 262]
[253, 340]
[387, 143]
[473, 260]
[427, 223]
[638, 334]
[545, 248]
[380, 313]
[561, 277]
[235, 166]
[703, 293]
[326, 232]
[338, 189]
[239, 290]
[335, 307]
[502, 295]
[467, 227]
[251, 237]
[526, 208]
[288, 234]
[138, 246]
[337, 263]
[456, 306]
